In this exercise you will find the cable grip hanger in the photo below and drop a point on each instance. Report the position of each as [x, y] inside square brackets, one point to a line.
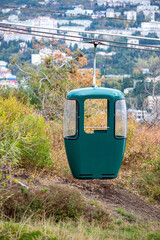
[94, 64]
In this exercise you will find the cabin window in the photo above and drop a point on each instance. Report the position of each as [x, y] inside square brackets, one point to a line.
[120, 119]
[95, 115]
[69, 121]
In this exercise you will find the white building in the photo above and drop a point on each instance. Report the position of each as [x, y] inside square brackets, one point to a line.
[8, 36]
[80, 45]
[116, 14]
[56, 55]
[133, 41]
[85, 23]
[128, 90]
[110, 13]
[138, 115]
[147, 8]
[112, 31]
[46, 22]
[13, 18]
[78, 10]
[102, 2]
[146, 3]
[41, 21]
[150, 26]
[81, 22]
[104, 54]
[116, 4]
[69, 28]
[117, 76]
[63, 22]
[36, 59]
[45, 52]
[136, 2]
[131, 15]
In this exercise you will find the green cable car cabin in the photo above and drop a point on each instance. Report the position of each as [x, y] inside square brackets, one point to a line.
[95, 128]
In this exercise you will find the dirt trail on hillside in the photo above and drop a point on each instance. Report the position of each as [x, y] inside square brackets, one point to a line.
[105, 191]
[116, 197]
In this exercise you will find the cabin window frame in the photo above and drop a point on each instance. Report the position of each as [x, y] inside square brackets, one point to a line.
[76, 135]
[116, 136]
[96, 130]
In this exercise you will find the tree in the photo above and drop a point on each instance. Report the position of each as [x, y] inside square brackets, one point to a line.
[140, 17]
[127, 83]
[148, 92]
[49, 83]
[150, 35]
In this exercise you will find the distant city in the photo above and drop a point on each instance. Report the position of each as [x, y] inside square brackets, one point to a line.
[142, 19]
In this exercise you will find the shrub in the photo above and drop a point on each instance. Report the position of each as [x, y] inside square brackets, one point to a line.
[58, 202]
[142, 156]
[143, 144]
[24, 137]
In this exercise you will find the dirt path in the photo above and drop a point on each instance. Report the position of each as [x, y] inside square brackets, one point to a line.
[110, 194]
[115, 197]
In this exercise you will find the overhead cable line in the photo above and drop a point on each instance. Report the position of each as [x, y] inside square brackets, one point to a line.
[81, 37]
[39, 35]
[74, 40]
[85, 32]
[83, 15]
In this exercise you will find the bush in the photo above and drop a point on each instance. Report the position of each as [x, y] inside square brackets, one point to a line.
[24, 137]
[142, 158]
[143, 144]
[55, 202]
[58, 202]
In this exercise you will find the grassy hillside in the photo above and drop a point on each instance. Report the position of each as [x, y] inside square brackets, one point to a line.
[33, 205]
[61, 212]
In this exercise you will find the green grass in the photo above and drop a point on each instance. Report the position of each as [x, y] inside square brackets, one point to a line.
[67, 215]
[81, 230]
[131, 217]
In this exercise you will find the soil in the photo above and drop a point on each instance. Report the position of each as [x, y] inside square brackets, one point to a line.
[117, 197]
[106, 191]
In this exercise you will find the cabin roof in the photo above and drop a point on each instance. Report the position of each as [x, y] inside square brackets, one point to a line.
[94, 92]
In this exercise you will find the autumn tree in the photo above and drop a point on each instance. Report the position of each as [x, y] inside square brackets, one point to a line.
[151, 88]
[49, 82]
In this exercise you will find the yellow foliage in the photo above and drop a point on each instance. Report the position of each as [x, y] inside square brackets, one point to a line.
[82, 61]
[143, 143]
[84, 78]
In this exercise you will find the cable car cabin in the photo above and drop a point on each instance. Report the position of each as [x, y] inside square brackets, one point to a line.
[95, 127]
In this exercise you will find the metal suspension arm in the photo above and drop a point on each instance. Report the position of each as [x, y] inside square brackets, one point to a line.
[94, 64]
